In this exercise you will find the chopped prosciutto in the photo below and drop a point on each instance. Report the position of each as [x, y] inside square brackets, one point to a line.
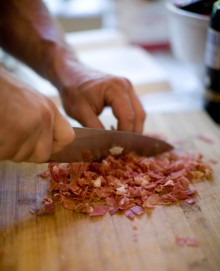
[138, 210]
[205, 139]
[127, 184]
[45, 207]
[151, 201]
[129, 214]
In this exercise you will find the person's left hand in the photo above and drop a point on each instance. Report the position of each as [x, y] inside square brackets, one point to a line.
[92, 91]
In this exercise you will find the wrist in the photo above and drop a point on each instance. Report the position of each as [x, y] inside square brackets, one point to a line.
[65, 69]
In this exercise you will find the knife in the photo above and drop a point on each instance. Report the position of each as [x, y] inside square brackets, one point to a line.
[94, 144]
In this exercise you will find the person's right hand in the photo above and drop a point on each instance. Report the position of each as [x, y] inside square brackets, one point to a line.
[31, 126]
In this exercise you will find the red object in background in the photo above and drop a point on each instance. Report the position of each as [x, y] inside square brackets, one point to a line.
[154, 47]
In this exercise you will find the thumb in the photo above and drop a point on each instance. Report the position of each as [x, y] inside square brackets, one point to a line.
[63, 133]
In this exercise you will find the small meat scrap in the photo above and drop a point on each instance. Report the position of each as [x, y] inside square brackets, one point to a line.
[205, 139]
[126, 184]
[45, 207]
[99, 210]
[186, 241]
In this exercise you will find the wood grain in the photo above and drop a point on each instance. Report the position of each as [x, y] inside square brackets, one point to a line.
[69, 241]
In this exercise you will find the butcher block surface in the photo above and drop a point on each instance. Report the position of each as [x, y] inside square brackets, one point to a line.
[70, 241]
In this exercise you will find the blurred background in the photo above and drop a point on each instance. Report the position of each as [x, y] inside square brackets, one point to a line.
[130, 16]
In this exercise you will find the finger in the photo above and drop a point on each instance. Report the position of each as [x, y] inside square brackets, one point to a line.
[27, 149]
[140, 114]
[43, 146]
[124, 113]
[127, 108]
[122, 108]
[63, 133]
[20, 147]
[8, 149]
[83, 113]
[89, 119]
[53, 138]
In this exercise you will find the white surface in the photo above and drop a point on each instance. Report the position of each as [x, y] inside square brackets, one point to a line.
[108, 50]
[188, 33]
[94, 39]
[131, 62]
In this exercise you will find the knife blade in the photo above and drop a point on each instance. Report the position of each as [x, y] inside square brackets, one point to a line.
[99, 143]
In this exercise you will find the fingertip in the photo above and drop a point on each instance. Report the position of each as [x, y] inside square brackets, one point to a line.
[126, 119]
[63, 131]
[90, 119]
[68, 134]
[140, 121]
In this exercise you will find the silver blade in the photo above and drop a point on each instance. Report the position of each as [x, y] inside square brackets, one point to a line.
[99, 142]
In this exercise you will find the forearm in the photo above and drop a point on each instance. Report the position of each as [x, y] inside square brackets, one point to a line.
[29, 33]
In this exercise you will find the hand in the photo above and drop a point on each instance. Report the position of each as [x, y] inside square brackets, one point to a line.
[85, 98]
[31, 127]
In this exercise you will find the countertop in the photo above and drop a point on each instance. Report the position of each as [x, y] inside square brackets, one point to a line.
[70, 241]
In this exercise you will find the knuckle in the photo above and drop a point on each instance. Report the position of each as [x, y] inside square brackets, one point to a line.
[121, 82]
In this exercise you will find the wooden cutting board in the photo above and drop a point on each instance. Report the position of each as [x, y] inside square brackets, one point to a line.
[69, 241]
